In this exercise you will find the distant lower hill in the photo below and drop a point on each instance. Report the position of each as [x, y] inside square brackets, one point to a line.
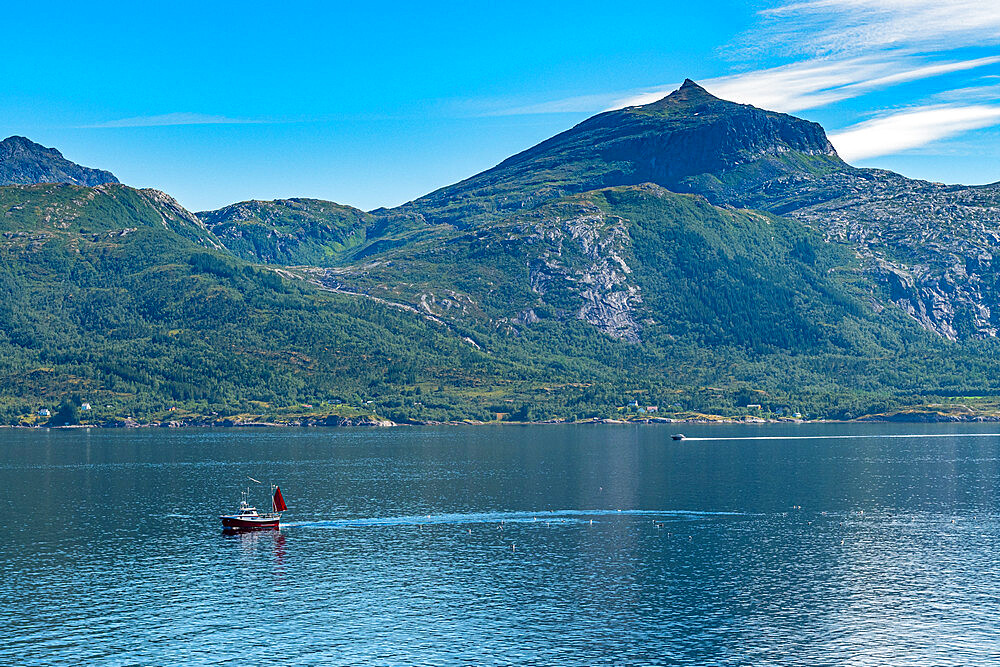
[290, 231]
[24, 162]
[692, 258]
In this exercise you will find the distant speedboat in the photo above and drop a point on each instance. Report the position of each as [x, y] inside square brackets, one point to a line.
[677, 436]
[248, 518]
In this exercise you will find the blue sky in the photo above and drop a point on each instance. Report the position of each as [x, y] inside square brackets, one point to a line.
[375, 105]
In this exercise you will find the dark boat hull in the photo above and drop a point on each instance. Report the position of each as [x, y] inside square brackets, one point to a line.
[235, 523]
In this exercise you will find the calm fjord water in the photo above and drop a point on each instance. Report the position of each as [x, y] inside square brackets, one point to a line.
[504, 545]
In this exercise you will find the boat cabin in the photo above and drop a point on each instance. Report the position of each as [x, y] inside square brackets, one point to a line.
[246, 510]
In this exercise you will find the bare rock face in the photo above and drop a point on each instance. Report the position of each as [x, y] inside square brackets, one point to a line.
[578, 270]
[23, 162]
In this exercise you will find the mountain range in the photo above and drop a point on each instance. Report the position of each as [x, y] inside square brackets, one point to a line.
[695, 255]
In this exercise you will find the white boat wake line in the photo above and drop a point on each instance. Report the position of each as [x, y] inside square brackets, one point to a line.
[846, 437]
[546, 516]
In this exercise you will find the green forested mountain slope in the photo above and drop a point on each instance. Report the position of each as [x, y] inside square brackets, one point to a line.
[698, 297]
[928, 247]
[569, 311]
[111, 298]
[603, 267]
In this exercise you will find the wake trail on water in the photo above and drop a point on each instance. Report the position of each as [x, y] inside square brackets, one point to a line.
[845, 437]
[547, 516]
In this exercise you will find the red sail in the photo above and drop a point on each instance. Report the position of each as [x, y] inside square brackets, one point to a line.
[278, 502]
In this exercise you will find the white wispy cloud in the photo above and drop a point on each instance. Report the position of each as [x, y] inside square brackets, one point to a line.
[576, 104]
[986, 91]
[808, 84]
[911, 128]
[851, 48]
[177, 118]
[817, 82]
[851, 26]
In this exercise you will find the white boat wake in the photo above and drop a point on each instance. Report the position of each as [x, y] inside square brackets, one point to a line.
[545, 516]
[841, 437]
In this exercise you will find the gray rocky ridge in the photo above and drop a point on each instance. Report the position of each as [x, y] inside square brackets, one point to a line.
[23, 162]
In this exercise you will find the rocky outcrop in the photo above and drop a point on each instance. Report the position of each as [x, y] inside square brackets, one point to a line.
[930, 246]
[579, 270]
[175, 217]
[23, 162]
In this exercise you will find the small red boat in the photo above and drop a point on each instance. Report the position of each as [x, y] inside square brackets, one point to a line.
[248, 518]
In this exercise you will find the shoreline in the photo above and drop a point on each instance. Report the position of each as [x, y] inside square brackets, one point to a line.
[903, 418]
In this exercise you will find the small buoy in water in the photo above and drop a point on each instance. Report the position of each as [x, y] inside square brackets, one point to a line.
[591, 522]
[470, 531]
[512, 548]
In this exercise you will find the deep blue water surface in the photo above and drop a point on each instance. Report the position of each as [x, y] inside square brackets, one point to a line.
[542, 545]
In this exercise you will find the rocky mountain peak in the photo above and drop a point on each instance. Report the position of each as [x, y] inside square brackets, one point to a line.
[688, 141]
[689, 93]
[23, 162]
